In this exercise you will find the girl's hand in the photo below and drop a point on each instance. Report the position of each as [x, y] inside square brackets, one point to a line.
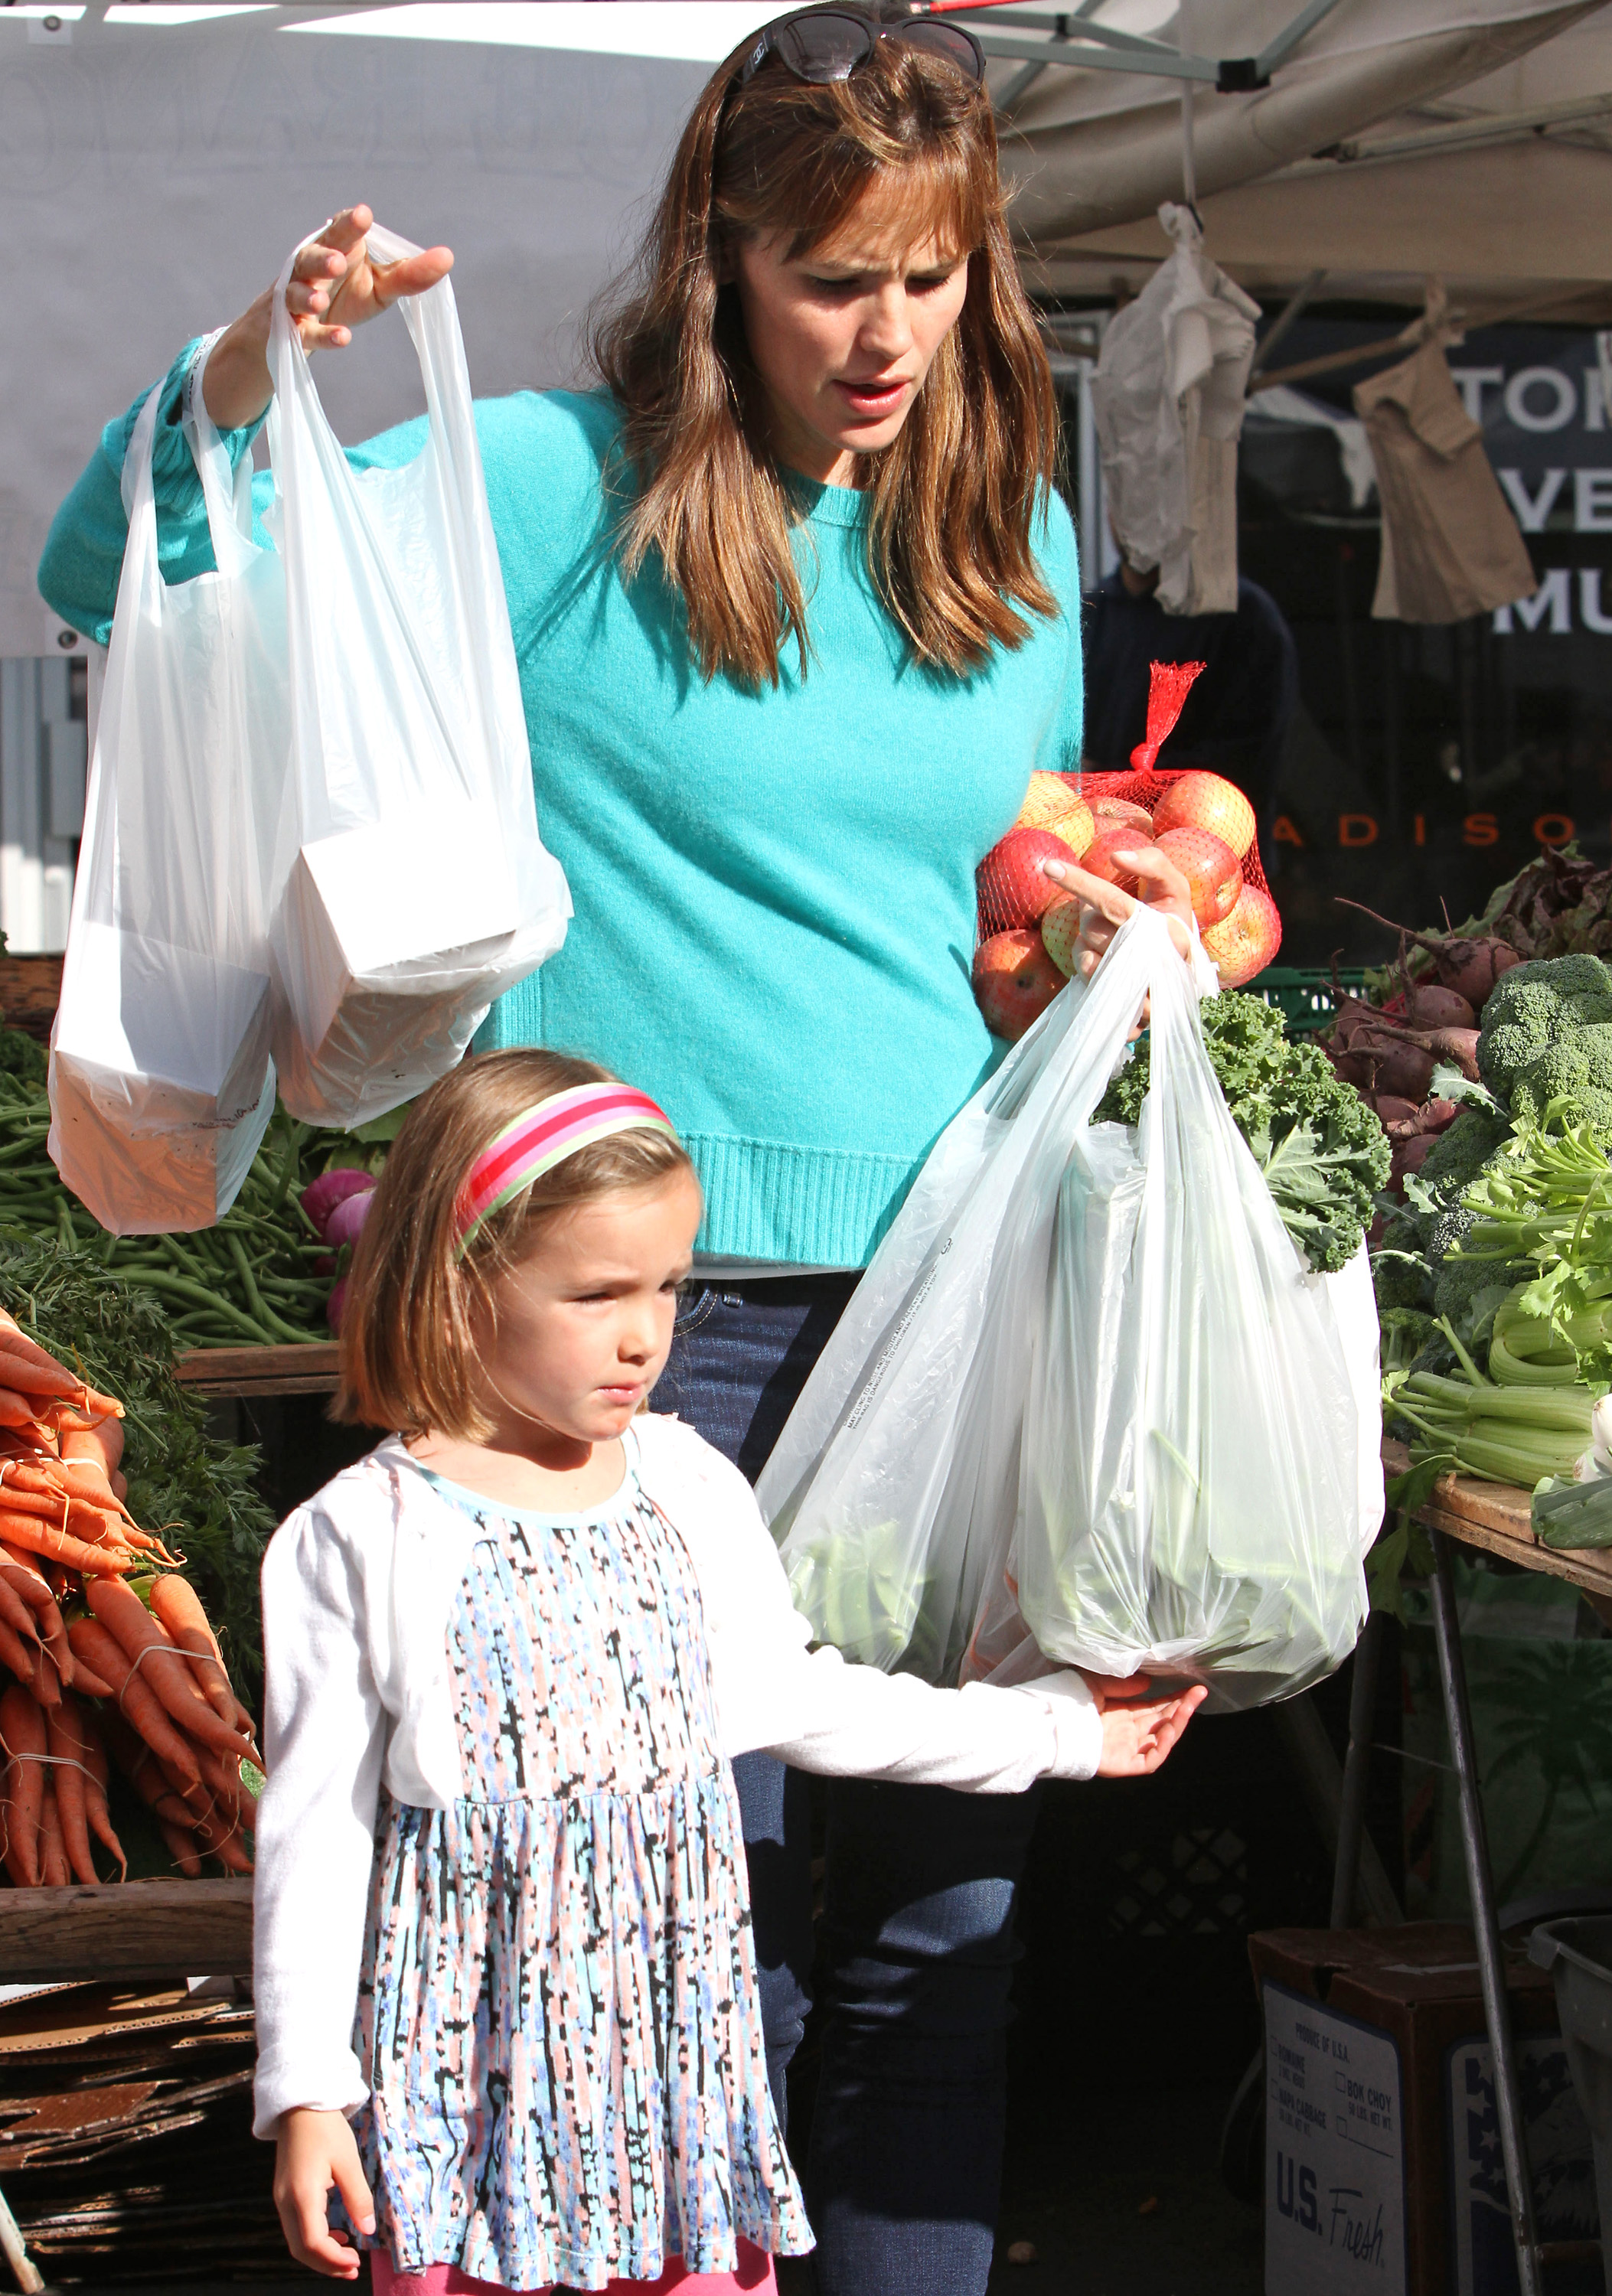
[313, 2152]
[1139, 1733]
[335, 287]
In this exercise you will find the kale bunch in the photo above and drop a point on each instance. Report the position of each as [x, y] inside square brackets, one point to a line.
[199, 1494]
[1322, 1151]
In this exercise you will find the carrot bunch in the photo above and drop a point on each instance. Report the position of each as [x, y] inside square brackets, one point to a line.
[147, 1685]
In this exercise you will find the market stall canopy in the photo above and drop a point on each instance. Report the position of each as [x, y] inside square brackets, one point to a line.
[1473, 140]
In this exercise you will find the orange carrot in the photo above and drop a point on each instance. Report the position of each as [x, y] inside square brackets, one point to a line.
[136, 1700]
[183, 1847]
[232, 1854]
[30, 1378]
[103, 1441]
[13, 1336]
[95, 1792]
[53, 1870]
[15, 1613]
[15, 1410]
[120, 1609]
[226, 1788]
[68, 1779]
[176, 1603]
[38, 1537]
[17, 1656]
[28, 1585]
[22, 1735]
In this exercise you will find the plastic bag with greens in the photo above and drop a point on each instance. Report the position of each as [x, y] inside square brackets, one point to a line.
[1087, 1386]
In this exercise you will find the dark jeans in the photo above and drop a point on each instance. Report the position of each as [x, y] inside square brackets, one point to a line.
[907, 2131]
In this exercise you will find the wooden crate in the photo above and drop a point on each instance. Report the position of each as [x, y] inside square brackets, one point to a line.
[247, 1371]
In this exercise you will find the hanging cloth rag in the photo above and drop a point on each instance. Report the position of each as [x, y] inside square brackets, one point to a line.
[1168, 398]
[1450, 543]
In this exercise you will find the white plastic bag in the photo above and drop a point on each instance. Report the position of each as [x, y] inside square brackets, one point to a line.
[1087, 1367]
[160, 1079]
[419, 888]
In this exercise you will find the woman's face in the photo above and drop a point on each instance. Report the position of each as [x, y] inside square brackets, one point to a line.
[843, 337]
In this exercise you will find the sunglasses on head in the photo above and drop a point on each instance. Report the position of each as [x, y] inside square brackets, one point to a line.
[823, 45]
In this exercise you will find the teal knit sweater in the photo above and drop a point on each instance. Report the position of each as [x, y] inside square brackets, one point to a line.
[774, 890]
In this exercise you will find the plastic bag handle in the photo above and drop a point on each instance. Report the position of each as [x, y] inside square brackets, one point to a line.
[227, 493]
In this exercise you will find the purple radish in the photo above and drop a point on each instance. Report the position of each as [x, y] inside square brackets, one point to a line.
[321, 1196]
[349, 1217]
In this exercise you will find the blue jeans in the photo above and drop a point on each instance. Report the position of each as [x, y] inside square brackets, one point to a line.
[905, 2168]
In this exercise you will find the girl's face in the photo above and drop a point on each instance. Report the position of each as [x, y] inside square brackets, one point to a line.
[842, 337]
[581, 1327]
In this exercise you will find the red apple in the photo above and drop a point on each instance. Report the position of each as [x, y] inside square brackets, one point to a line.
[1014, 981]
[1055, 804]
[1246, 941]
[1060, 930]
[1100, 858]
[1200, 801]
[1213, 873]
[1012, 888]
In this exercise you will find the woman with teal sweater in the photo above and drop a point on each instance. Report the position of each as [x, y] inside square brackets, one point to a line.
[797, 615]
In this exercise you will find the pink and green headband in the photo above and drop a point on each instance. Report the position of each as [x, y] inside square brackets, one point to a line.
[543, 1137]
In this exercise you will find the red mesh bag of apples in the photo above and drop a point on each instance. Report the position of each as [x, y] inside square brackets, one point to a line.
[1203, 822]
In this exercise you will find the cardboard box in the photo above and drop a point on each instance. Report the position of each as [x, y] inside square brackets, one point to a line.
[1382, 2144]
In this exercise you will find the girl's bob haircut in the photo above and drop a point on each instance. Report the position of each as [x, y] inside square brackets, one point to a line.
[908, 145]
[408, 1329]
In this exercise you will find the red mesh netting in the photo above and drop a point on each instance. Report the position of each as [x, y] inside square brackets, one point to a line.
[1143, 788]
[1000, 881]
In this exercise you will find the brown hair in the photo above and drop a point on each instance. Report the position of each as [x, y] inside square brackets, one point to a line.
[408, 1348]
[954, 495]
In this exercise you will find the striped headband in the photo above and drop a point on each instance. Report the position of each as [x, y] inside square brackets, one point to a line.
[543, 1137]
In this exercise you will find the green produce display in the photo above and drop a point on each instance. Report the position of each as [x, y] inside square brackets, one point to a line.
[1322, 1151]
[199, 1493]
[261, 1278]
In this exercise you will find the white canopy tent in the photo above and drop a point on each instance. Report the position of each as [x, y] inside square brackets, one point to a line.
[1471, 138]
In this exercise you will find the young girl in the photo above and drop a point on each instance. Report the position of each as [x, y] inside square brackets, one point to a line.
[501, 1907]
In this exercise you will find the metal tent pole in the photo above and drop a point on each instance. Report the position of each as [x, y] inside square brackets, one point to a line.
[1491, 1967]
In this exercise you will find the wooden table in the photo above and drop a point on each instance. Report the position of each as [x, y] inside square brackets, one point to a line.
[1494, 1517]
[127, 1933]
[310, 1369]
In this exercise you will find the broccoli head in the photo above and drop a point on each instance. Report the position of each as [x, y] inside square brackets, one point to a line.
[1576, 1067]
[1537, 1006]
[1454, 1161]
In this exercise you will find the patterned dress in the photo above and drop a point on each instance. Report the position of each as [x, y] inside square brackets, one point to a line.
[558, 2009]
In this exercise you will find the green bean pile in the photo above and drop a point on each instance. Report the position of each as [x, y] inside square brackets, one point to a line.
[251, 1281]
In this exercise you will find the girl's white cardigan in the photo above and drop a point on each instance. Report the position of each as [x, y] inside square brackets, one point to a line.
[358, 1590]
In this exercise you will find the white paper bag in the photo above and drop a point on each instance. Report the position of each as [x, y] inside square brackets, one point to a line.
[160, 1078]
[418, 889]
